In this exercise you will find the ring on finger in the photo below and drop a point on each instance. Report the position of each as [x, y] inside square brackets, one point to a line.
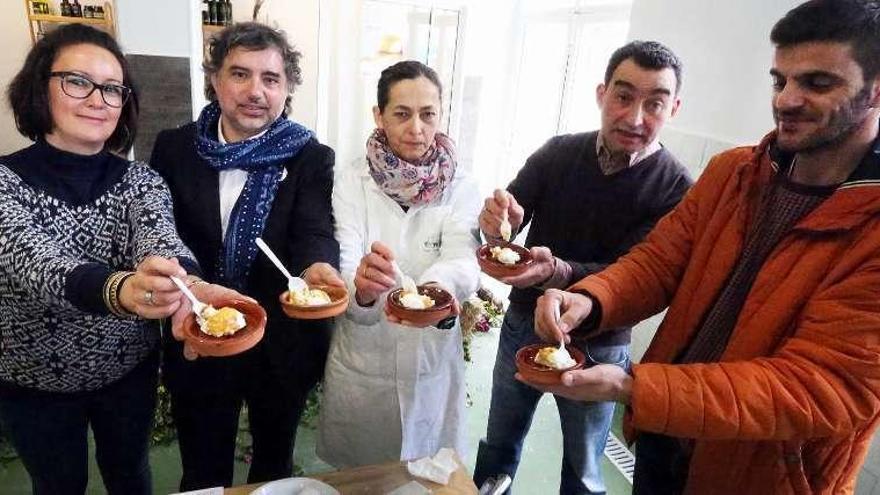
[148, 297]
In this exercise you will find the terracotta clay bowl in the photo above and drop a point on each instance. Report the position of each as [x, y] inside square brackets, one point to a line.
[441, 309]
[540, 374]
[240, 341]
[336, 306]
[496, 269]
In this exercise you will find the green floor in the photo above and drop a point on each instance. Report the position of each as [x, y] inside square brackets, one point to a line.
[538, 472]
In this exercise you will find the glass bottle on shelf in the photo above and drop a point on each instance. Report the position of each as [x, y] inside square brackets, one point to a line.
[212, 12]
[65, 8]
[76, 9]
[228, 5]
[87, 12]
[221, 13]
[206, 19]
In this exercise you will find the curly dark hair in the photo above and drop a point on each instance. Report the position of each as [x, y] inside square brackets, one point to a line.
[407, 69]
[251, 36]
[647, 55]
[28, 93]
[856, 22]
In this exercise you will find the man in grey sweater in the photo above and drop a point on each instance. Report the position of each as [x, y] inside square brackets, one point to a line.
[589, 198]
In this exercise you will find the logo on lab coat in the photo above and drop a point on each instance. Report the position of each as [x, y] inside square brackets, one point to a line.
[432, 245]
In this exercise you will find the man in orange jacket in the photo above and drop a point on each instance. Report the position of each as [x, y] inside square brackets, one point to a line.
[763, 376]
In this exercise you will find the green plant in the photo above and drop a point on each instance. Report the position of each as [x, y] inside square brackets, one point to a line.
[163, 424]
[309, 416]
[7, 453]
[479, 313]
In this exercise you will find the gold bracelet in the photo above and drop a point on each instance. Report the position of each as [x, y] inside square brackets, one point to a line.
[115, 307]
[111, 294]
[195, 281]
[105, 291]
[108, 291]
[124, 312]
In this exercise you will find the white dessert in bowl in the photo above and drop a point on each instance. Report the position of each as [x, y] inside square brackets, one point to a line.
[554, 357]
[221, 322]
[412, 300]
[310, 297]
[428, 307]
[504, 255]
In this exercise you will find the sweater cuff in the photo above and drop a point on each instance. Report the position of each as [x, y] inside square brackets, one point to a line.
[191, 266]
[366, 315]
[84, 287]
[363, 315]
[591, 323]
[560, 277]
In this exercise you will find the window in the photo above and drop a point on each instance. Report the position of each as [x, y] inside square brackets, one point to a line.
[395, 31]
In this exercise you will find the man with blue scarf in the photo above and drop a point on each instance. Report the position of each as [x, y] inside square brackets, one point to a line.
[243, 171]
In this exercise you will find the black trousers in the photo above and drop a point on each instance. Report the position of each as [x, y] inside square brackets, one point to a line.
[661, 465]
[206, 399]
[49, 431]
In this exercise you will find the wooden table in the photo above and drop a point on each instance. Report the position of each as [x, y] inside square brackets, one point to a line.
[379, 480]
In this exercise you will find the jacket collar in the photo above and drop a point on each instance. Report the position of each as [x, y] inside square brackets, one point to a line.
[867, 173]
[852, 203]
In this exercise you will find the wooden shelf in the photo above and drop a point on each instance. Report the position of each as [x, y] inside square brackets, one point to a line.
[67, 20]
[38, 22]
[211, 29]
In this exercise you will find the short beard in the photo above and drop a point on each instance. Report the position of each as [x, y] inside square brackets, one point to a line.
[843, 124]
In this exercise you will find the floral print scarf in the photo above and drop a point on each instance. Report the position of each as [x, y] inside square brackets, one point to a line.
[411, 184]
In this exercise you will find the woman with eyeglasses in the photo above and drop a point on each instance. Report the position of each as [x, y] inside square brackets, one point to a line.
[87, 243]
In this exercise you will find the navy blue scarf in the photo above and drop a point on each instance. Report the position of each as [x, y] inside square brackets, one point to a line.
[263, 158]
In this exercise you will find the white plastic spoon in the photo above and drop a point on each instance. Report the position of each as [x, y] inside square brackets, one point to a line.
[409, 285]
[505, 228]
[562, 353]
[197, 306]
[294, 284]
[556, 320]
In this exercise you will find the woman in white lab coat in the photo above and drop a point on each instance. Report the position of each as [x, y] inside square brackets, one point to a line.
[392, 391]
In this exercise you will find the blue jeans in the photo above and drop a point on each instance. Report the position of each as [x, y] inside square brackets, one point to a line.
[50, 433]
[584, 424]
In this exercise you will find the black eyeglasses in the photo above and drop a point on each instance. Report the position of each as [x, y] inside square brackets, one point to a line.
[81, 87]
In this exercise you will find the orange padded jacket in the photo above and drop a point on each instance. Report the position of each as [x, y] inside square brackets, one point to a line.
[793, 403]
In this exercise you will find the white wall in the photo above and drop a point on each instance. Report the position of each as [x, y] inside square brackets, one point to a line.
[16, 41]
[726, 52]
[300, 20]
[156, 27]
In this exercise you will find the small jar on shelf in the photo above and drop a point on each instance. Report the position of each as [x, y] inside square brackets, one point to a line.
[40, 7]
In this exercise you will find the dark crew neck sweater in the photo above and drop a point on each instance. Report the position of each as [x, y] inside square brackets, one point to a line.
[589, 219]
[68, 177]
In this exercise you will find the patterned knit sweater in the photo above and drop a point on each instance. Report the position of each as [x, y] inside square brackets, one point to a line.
[46, 341]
